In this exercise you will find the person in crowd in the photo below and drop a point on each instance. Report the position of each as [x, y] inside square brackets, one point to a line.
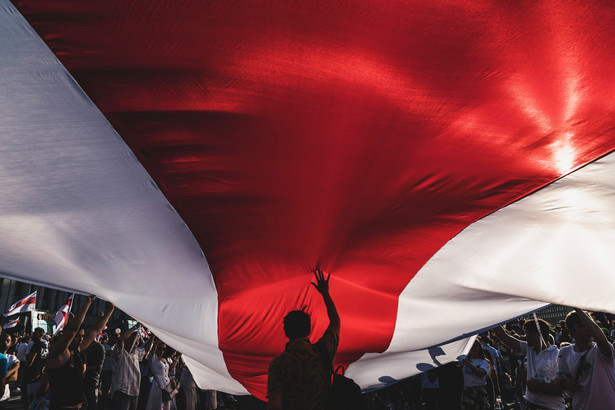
[126, 375]
[565, 337]
[188, 387]
[105, 375]
[299, 378]
[65, 361]
[430, 390]
[36, 353]
[22, 348]
[557, 333]
[587, 368]
[5, 342]
[163, 385]
[450, 382]
[541, 391]
[95, 356]
[12, 361]
[494, 358]
[475, 371]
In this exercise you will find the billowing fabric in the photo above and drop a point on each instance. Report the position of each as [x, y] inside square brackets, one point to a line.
[448, 162]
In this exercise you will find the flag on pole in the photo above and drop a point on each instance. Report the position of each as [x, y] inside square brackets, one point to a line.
[10, 324]
[144, 334]
[26, 304]
[62, 315]
[99, 337]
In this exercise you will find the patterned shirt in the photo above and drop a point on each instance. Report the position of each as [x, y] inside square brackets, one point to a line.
[300, 374]
[126, 376]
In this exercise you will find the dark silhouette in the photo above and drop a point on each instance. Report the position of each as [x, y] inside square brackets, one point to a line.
[298, 378]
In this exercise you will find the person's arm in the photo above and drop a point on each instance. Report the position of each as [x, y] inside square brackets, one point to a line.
[3, 368]
[603, 343]
[11, 376]
[322, 286]
[150, 342]
[97, 327]
[30, 357]
[58, 353]
[275, 386]
[479, 371]
[510, 342]
[43, 387]
[173, 364]
[125, 335]
[275, 401]
[553, 389]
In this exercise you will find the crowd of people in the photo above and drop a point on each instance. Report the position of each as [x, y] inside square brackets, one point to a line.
[525, 364]
[83, 367]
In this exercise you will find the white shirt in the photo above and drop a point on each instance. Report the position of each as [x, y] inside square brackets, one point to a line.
[126, 376]
[22, 352]
[11, 358]
[597, 377]
[542, 367]
[470, 379]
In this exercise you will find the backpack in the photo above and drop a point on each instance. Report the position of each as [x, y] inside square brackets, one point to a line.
[344, 394]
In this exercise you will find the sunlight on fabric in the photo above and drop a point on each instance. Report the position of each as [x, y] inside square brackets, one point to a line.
[564, 154]
[529, 103]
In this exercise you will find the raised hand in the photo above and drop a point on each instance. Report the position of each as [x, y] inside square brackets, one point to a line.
[322, 284]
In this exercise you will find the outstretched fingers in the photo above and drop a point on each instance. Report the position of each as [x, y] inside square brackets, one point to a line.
[322, 283]
[319, 274]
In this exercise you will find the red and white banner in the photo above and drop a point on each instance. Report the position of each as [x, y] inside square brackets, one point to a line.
[449, 163]
[11, 324]
[144, 333]
[26, 304]
[63, 313]
[99, 337]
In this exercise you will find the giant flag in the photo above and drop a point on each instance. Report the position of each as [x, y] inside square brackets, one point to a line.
[450, 163]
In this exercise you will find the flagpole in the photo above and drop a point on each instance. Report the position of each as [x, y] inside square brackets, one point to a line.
[32, 311]
[137, 336]
[71, 305]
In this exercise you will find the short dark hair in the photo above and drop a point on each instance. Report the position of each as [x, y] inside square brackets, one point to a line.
[572, 319]
[530, 326]
[297, 324]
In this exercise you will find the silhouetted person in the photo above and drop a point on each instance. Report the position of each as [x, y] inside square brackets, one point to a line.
[541, 391]
[298, 378]
[65, 361]
[587, 368]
